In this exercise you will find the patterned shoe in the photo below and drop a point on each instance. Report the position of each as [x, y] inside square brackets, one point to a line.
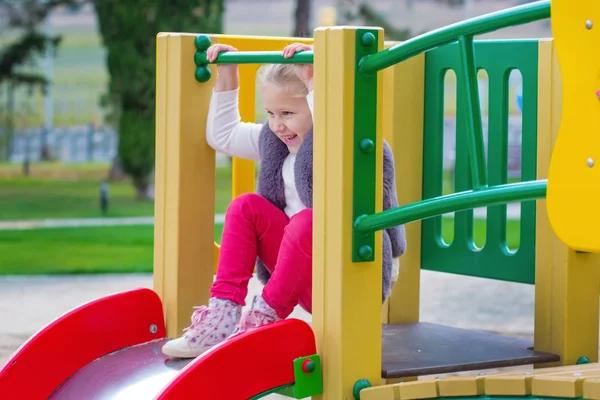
[210, 326]
[260, 313]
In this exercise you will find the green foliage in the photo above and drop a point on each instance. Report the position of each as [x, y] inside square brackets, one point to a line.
[362, 13]
[129, 32]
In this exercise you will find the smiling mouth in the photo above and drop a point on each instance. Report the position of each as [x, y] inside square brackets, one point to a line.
[289, 139]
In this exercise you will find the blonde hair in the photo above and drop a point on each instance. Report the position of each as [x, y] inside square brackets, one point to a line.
[284, 76]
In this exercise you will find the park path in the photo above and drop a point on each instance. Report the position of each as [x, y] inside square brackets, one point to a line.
[27, 303]
[513, 212]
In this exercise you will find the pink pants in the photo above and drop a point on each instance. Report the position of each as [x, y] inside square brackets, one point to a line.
[255, 227]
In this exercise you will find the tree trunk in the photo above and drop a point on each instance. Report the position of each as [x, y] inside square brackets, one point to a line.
[302, 18]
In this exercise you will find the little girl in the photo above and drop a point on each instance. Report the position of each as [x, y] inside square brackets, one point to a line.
[270, 229]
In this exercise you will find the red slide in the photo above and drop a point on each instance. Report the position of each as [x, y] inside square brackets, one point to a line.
[110, 348]
[247, 365]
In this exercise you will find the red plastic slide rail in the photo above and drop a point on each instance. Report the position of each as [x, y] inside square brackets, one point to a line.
[246, 365]
[78, 337]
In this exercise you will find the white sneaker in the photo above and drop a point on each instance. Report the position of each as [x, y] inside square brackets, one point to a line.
[210, 326]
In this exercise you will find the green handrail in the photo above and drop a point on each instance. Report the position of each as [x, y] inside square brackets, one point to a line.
[490, 196]
[256, 57]
[475, 26]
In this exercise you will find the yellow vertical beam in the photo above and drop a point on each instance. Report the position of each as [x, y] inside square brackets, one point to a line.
[243, 180]
[566, 295]
[403, 110]
[346, 294]
[185, 183]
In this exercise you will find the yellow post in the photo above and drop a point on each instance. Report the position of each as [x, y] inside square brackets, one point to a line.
[403, 108]
[185, 174]
[346, 295]
[566, 291]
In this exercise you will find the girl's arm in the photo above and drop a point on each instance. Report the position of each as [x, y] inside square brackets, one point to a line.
[225, 132]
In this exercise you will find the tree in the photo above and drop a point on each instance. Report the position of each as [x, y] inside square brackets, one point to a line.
[25, 17]
[302, 18]
[128, 30]
[362, 13]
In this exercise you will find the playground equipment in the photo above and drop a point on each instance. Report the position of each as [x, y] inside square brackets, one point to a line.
[367, 90]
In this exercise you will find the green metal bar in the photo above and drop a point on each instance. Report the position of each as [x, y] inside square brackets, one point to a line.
[365, 151]
[454, 202]
[255, 57]
[475, 26]
[470, 99]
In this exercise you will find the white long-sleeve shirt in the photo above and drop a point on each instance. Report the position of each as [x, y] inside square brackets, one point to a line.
[226, 133]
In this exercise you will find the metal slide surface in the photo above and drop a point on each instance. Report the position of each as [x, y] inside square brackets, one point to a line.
[139, 372]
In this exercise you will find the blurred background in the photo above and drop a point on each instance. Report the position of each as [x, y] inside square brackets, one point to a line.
[77, 88]
[77, 112]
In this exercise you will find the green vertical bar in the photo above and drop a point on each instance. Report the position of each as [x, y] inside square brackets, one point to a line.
[365, 151]
[473, 112]
[498, 145]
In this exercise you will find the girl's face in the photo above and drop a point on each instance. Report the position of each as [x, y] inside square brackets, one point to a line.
[289, 116]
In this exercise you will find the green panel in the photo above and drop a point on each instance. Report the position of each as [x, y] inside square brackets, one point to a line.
[494, 260]
[365, 151]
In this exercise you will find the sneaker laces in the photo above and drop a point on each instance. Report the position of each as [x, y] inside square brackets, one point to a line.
[200, 313]
[253, 319]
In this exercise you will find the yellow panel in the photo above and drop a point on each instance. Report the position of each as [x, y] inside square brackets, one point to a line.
[319, 321]
[549, 106]
[418, 390]
[402, 391]
[513, 385]
[403, 108]
[520, 383]
[566, 296]
[185, 183]
[574, 177]
[388, 392]
[591, 389]
[557, 386]
[461, 386]
[347, 327]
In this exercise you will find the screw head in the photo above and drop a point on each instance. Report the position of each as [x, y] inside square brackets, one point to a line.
[202, 42]
[308, 366]
[590, 162]
[365, 252]
[589, 24]
[367, 39]
[366, 145]
[153, 329]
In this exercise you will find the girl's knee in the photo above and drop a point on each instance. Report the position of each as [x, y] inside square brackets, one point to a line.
[301, 223]
[246, 200]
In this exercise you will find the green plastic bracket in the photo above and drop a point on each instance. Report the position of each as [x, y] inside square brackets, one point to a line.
[308, 378]
[202, 72]
[365, 151]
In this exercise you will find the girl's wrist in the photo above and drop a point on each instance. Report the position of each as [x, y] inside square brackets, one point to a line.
[227, 79]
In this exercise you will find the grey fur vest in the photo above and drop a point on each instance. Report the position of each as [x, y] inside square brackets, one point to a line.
[270, 185]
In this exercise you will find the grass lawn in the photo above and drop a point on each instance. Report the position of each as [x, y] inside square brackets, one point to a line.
[114, 249]
[79, 250]
[59, 191]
